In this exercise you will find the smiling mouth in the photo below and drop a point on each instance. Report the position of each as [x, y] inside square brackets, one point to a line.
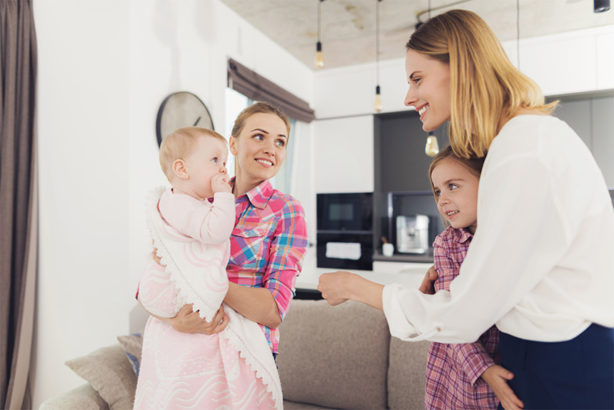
[451, 213]
[265, 162]
[422, 110]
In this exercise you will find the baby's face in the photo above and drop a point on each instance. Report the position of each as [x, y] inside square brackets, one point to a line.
[208, 158]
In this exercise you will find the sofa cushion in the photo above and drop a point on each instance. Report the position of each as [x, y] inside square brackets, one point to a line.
[110, 374]
[82, 398]
[334, 356]
[133, 345]
[406, 374]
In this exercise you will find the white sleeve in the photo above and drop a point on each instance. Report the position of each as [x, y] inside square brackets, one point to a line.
[521, 235]
[209, 223]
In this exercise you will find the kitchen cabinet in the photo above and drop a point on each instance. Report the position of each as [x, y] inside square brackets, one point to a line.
[343, 154]
[605, 61]
[591, 117]
[602, 120]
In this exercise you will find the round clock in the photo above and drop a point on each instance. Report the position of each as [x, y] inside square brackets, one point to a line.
[181, 109]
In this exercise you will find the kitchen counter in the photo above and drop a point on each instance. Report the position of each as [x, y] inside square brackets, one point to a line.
[405, 257]
[384, 272]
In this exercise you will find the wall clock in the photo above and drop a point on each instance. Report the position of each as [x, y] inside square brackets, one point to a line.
[181, 109]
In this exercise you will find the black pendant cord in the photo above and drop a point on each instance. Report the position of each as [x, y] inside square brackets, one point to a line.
[518, 33]
[319, 4]
[377, 42]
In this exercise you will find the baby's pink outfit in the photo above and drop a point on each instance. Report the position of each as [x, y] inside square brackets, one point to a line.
[233, 369]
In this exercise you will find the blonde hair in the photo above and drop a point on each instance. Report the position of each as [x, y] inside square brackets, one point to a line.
[257, 108]
[179, 143]
[473, 164]
[485, 88]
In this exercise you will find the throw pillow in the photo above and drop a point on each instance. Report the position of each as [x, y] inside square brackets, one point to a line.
[110, 374]
[132, 344]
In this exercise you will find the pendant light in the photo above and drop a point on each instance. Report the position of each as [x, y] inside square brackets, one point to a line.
[432, 146]
[319, 56]
[378, 105]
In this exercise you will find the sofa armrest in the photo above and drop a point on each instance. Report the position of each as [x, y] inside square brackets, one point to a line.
[82, 398]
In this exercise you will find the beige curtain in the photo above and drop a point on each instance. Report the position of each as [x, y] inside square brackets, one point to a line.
[18, 199]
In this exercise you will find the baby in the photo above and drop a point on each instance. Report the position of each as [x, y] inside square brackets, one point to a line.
[191, 236]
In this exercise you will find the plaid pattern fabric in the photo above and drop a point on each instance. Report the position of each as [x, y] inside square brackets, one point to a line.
[453, 370]
[267, 246]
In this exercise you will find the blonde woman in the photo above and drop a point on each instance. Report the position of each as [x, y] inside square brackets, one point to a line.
[541, 263]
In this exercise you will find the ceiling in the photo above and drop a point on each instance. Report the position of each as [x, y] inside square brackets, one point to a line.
[348, 26]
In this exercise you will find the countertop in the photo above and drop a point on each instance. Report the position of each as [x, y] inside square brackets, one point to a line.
[384, 272]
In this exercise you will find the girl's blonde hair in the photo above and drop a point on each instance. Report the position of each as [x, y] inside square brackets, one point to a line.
[473, 164]
[179, 143]
[257, 108]
[485, 88]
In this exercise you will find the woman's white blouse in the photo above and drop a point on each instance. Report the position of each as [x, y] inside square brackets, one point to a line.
[541, 263]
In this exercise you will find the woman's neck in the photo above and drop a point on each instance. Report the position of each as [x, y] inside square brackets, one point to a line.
[243, 184]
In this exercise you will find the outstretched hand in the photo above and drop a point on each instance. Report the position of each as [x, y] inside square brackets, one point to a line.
[427, 286]
[188, 321]
[496, 377]
[333, 287]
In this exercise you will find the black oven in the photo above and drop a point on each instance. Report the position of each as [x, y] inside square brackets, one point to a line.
[345, 212]
[345, 230]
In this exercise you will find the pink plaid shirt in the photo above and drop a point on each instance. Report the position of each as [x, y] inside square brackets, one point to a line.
[267, 246]
[453, 370]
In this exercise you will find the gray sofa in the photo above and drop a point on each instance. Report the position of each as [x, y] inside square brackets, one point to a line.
[329, 357]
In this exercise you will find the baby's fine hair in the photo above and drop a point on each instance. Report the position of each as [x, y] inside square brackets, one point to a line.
[473, 164]
[179, 143]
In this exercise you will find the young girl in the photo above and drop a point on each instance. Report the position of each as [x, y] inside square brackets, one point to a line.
[541, 261]
[462, 375]
[234, 369]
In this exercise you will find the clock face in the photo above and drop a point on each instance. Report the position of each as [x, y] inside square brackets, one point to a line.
[181, 109]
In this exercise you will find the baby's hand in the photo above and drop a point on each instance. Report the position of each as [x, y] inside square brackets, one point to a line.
[220, 183]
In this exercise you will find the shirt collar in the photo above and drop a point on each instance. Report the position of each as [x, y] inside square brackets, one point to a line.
[259, 195]
[464, 235]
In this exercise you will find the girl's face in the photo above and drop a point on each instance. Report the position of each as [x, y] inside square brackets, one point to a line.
[429, 89]
[456, 192]
[260, 148]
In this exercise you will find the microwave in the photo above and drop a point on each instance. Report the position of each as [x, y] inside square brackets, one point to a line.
[345, 231]
[345, 212]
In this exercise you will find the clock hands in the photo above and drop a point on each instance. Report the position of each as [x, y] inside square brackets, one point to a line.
[197, 120]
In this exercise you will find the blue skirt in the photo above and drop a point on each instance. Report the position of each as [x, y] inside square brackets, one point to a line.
[576, 374]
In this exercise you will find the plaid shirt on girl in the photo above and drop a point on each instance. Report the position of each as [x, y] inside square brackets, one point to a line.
[453, 370]
[267, 246]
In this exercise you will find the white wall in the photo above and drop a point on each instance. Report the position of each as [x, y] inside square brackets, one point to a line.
[83, 132]
[104, 68]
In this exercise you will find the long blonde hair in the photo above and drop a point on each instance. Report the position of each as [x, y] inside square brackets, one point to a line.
[485, 88]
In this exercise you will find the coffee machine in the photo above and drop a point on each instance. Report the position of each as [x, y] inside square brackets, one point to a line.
[412, 233]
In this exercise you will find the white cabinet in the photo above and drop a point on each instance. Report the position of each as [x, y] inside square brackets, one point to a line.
[605, 61]
[566, 63]
[561, 64]
[343, 154]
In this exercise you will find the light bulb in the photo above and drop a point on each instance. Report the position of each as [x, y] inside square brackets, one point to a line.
[319, 56]
[378, 105]
[432, 146]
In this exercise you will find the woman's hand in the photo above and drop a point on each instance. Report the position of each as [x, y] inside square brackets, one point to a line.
[188, 321]
[333, 286]
[497, 377]
[427, 285]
